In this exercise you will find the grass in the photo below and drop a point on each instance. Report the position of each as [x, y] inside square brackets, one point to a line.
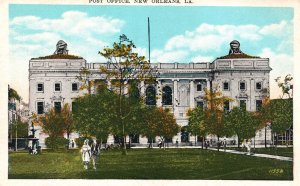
[282, 151]
[150, 164]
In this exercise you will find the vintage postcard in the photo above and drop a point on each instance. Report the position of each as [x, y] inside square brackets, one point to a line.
[142, 92]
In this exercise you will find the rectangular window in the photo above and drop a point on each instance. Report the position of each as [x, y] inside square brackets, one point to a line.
[40, 107]
[225, 86]
[226, 105]
[200, 104]
[57, 87]
[57, 106]
[40, 87]
[74, 86]
[258, 105]
[199, 87]
[243, 104]
[258, 86]
[242, 86]
[181, 114]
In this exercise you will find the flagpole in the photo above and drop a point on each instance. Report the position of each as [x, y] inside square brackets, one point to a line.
[149, 38]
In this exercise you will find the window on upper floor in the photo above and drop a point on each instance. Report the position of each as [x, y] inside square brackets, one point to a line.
[74, 87]
[40, 87]
[199, 87]
[258, 85]
[57, 86]
[40, 107]
[150, 95]
[242, 85]
[225, 86]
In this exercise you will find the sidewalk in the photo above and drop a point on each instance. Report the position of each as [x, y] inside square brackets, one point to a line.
[283, 158]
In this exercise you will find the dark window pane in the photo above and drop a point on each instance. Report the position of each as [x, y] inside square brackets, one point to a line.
[199, 87]
[40, 107]
[40, 87]
[226, 105]
[150, 96]
[200, 104]
[74, 86]
[57, 106]
[258, 105]
[225, 86]
[167, 96]
[242, 85]
[243, 104]
[258, 85]
[57, 86]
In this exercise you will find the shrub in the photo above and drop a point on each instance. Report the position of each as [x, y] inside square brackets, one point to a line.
[56, 142]
[79, 141]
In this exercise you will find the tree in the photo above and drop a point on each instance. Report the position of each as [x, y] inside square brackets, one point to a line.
[68, 119]
[124, 65]
[196, 122]
[243, 123]
[20, 128]
[95, 114]
[52, 123]
[215, 114]
[158, 122]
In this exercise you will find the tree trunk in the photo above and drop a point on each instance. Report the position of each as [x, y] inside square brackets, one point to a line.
[238, 141]
[202, 142]
[218, 143]
[265, 136]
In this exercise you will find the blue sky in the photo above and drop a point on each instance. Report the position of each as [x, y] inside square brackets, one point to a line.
[178, 34]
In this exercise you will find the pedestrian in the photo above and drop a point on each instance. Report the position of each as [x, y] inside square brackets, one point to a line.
[73, 144]
[95, 151]
[86, 153]
[224, 145]
[249, 147]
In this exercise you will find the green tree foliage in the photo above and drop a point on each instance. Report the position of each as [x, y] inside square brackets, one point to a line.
[123, 66]
[56, 142]
[12, 93]
[68, 119]
[94, 115]
[279, 112]
[243, 123]
[158, 122]
[20, 128]
[215, 114]
[52, 123]
[196, 124]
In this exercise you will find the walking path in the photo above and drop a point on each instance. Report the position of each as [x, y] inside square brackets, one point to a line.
[283, 158]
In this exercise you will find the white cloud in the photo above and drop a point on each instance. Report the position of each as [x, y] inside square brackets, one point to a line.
[277, 29]
[282, 64]
[43, 37]
[168, 56]
[71, 23]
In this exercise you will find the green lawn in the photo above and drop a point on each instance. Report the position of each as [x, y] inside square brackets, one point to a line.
[280, 151]
[150, 164]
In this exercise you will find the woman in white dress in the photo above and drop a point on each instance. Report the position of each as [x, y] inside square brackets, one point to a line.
[86, 153]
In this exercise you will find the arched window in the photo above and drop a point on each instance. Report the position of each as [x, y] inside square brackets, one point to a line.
[150, 96]
[167, 96]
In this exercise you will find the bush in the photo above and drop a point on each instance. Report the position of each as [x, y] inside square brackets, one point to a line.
[56, 142]
[79, 141]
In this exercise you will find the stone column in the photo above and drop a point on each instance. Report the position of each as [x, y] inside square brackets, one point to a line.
[109, 84]
[207, 84]
[125, 89]
[192, 96]
[175, 93]
[159, 93]
[142, 84]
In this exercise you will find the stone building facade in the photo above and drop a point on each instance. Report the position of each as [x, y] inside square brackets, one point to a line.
[53, 81]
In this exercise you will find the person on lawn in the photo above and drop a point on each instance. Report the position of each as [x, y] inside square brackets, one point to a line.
[86, 153]
[95, 149]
